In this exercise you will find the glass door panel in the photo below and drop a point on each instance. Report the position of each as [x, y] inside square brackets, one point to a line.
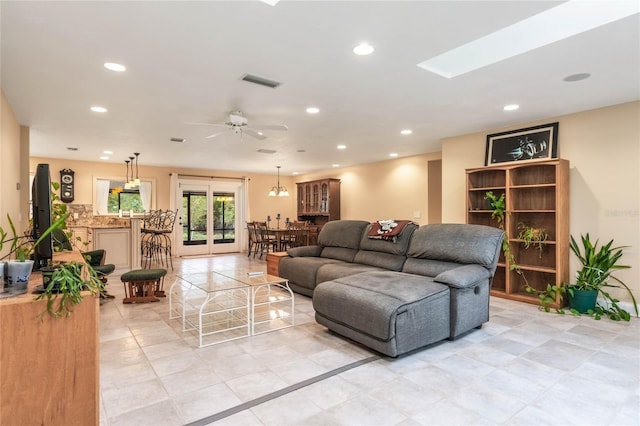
[224, 218]
[194, 225]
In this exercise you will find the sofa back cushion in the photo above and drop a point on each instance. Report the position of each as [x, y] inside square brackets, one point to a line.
[382, 253]
[392, 262]
[398, 247]
[457, 244]
[340, 239]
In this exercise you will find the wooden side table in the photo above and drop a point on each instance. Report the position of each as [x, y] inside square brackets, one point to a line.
[273, 262]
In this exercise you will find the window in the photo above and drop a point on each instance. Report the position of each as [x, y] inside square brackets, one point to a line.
[124, 199]
[110, 196]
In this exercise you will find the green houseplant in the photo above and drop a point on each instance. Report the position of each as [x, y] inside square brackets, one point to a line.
[64, 284]
[498, 208]
[22, 246]
[594, 278]
[596, 275]
[532, 237]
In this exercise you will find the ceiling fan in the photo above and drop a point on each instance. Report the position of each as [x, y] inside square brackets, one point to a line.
[239, 124]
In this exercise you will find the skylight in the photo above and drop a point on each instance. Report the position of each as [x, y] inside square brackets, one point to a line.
[555, 24]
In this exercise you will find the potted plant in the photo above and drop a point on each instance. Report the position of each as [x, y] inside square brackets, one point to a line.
[63, 285]
[18, 269]
[592, 279]
[531, 236]
[595, 277]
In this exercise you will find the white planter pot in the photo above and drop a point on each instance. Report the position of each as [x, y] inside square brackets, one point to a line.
[18, 274]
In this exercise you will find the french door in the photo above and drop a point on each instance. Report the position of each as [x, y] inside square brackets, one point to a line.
[208, 217]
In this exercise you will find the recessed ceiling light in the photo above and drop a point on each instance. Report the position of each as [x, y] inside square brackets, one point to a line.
[104, 158]
[115, 67]
[335, 165]
[313, 110]
[511, 107]
[393, 154]
[98, 109]
[341, 147]
[295, 173]
[363, 49]
[270, 2]
[406, 131]
[107, 152]
[560, 22]
[577, 77]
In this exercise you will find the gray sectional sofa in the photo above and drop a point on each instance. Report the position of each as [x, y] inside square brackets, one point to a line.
[430, 284]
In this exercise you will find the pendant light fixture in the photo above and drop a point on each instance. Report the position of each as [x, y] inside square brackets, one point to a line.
[131, 182]
[278, 191]
[136, 181]
[127, 184]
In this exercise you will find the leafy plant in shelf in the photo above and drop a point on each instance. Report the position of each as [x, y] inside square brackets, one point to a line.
[535, 237]
[498, 209]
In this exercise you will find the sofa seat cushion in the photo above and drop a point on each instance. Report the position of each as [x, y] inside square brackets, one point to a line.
[302, 271]
[372, 303]
[332, 271]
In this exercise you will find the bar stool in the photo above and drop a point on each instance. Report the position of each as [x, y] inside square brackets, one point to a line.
[143, 285]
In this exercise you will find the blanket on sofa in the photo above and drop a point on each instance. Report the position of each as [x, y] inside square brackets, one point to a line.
[388, 229]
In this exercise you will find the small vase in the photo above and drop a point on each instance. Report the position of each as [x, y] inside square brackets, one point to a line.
[583, 300]
[18, 274]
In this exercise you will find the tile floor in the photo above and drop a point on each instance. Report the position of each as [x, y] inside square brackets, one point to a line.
[524, 367]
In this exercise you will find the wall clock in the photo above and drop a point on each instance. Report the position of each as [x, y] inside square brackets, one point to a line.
[66, 185]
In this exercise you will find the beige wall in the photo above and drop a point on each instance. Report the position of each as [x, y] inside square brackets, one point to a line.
[392, 189]
[260, 203]
[603, 147]
[403, 183]
[13, 170]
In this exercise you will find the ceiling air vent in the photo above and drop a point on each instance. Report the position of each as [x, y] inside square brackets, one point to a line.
[179, 140]
[266, 151]
[260, 80]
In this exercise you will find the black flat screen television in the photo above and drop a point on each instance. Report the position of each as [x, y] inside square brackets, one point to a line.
[41, 200]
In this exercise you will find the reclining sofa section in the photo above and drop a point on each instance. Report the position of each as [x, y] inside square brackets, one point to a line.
[432, 283]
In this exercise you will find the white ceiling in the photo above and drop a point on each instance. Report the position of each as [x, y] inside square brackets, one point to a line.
[185, 61]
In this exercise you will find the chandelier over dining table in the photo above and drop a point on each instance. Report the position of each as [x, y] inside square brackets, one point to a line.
[278, 191]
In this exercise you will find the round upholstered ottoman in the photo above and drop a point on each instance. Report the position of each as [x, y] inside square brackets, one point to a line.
[143, 285]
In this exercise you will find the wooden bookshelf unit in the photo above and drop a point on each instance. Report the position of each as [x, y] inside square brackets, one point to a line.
[537, 195]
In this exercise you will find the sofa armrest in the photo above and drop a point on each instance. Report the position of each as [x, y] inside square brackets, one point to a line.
[305, 251]
[463, 276]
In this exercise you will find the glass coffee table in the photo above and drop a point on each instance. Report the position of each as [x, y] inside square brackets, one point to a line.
[225, 305]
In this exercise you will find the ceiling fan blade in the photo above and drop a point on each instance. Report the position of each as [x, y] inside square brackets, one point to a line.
[254, 133]
[205, 124]
[269, 127]
[213, 135]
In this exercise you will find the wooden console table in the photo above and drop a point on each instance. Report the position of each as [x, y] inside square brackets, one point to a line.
[48, 366]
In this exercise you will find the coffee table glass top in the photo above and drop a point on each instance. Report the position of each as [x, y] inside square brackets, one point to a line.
[219, 280]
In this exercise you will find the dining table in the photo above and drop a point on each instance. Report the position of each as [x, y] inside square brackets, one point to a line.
[278, 233]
